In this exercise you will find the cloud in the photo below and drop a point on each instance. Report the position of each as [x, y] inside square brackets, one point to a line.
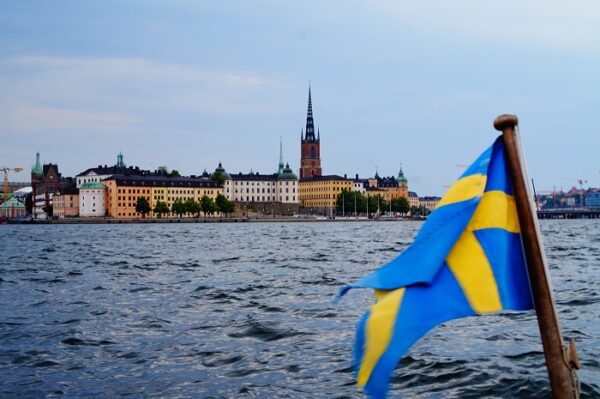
[571, 26]
[33, 118]
[107, 93]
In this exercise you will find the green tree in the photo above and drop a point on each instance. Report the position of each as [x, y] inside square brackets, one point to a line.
[224, 205]
[142, 206]
[419, 211]
[178, 207]
[208, 205]
[174, 173]
[400, 205]
[193, 207]
[229, 208]
[376, 203]
[160, 208]
[345, 203]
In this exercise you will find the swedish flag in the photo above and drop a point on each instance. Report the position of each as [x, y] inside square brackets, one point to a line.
[466, 260]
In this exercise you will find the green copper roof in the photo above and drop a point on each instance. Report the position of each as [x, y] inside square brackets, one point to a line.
[92, 184]
[12, 202]
[287, 174]
[401, 177]
[120, 160]
[37, 168]
[220, 170]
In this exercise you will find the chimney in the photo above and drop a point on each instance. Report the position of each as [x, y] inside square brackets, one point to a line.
[357, 176]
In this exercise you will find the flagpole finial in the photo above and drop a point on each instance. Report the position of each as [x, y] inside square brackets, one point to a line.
[504, 121]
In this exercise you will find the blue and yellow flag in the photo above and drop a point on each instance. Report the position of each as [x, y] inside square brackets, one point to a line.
[466, 260]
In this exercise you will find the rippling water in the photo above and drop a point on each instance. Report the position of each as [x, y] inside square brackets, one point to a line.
[244, 310]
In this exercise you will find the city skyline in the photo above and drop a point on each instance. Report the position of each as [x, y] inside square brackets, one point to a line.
[188, 85]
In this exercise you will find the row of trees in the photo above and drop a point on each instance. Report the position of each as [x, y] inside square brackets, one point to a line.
[351, 202]
[187, 207]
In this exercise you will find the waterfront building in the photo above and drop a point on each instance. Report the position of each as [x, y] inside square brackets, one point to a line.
[388, 187]
[22, 193]
[92, 199]
[376, 192]
[96, 175]
[66, 203]
[592, 199]
[122, 192]
[413, 199]
[429, 203]
[310, 146]
[275, 193]
[320, 192]
[252, 187]
[12, 209]
[359, 185]
[45, 181]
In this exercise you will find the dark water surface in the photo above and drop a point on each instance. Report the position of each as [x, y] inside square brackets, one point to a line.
[244, 310]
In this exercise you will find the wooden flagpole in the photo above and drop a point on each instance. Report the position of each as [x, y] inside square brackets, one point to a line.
[561, 360]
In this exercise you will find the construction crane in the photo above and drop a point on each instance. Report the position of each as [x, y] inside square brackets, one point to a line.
[6, 170]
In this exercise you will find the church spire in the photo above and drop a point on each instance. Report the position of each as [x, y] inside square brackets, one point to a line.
[280, 170]
[310, 124]
[120, 160]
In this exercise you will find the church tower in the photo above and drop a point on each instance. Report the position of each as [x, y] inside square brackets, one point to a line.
[310, 146]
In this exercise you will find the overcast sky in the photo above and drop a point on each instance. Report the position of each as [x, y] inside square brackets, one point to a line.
[190, 83]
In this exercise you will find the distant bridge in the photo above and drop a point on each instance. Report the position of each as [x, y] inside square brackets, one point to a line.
[569, 213]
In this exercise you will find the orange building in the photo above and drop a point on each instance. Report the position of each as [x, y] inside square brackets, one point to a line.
[122, 192]
[65, 203]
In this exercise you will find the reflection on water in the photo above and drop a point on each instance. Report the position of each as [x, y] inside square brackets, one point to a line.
[244, 310]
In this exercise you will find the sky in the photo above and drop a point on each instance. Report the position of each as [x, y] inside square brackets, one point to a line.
[188, 84]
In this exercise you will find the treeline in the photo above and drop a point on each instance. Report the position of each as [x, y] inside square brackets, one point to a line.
[351, 202]
[206, 205]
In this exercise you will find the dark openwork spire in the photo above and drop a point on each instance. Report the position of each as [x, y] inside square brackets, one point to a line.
[310, 124]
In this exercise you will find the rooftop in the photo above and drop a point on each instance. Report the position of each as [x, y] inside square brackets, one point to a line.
[12, 203]
[324, 178]
[162, 181]
[92, 185]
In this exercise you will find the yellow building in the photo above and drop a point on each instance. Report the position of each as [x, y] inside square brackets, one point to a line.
[413, 199]
[320, 192]
[122, 192]
[429, 203]
[375, 192]
[388, 187]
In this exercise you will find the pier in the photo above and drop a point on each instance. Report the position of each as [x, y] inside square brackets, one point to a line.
[569, 213]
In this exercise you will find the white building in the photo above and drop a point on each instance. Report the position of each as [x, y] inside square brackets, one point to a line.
[281, 187]
[96, 175]
[255, 187]
[359, 185]
[91, 199]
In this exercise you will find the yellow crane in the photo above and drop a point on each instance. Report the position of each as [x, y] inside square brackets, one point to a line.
[6, 170]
